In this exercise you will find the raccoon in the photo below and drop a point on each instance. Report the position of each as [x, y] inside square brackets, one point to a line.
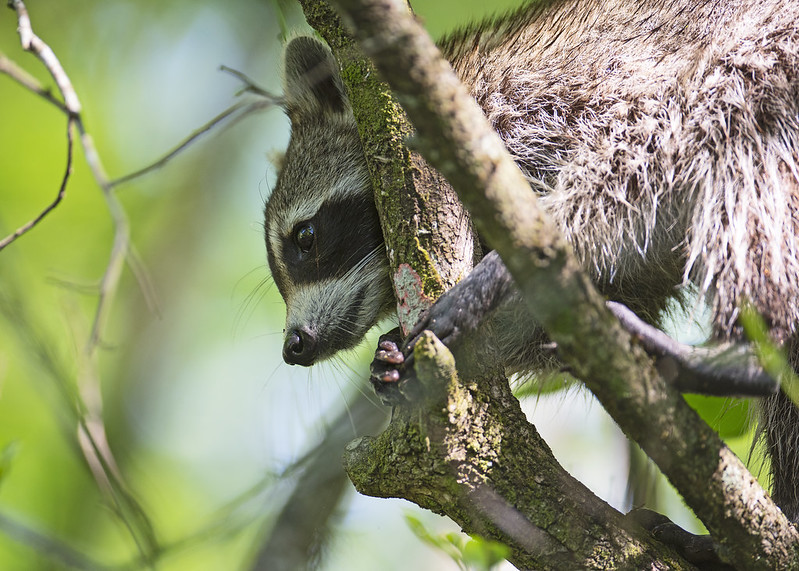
[662, 137]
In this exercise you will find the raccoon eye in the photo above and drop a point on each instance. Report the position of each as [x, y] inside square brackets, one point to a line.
[305, 235]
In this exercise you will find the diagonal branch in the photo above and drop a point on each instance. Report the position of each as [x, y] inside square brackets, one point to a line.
[90, 427]
[88, 404]
[242, 108]
[34, 44]
[474, 458]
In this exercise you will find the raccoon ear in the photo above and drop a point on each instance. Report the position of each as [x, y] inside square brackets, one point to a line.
[312, 80]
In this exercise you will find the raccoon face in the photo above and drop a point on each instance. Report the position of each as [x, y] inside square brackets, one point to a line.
[323, 237]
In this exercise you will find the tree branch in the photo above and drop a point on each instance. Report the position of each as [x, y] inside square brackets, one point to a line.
[467, 451]
[90, 434]
[240, 110]
[32, 43]
[27, 81]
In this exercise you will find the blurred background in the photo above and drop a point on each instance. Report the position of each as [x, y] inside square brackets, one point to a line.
[210, 432]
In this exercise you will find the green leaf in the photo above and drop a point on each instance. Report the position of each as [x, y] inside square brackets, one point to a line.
[771, 357]
[729, 417]
[484, 554]
[475, 553]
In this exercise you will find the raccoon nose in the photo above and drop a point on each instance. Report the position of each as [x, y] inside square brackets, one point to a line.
[299, 348]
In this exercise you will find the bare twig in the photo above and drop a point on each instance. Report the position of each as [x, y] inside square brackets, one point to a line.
[136, 265]
[12, 70]
[32, 43]
[242, 106]
[81, 408]
[61, 192]
[245, 108]
[93, 442]
[87, 406]
[251, 87]
[45, 544]
[71, 105]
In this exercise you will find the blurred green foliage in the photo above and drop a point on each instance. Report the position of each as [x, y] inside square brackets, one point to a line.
[146, 75]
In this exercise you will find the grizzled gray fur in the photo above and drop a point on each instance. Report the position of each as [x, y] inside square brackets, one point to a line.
[662, 136]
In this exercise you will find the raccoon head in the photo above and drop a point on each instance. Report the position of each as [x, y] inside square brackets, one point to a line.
[323, 237]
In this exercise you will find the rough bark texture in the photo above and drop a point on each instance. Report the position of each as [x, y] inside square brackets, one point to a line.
[455, 138]
[442, 247]
[468, 452]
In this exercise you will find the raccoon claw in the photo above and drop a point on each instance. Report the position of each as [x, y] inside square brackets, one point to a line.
[385, 370]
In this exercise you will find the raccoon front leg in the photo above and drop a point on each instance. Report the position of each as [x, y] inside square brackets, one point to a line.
[468, 304]
[728, 370]
[458, 312]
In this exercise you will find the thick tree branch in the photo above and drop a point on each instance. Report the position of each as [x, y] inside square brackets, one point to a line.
[454, 136]
[467, 451]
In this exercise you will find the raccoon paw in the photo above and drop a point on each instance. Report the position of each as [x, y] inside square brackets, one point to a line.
[387, 367]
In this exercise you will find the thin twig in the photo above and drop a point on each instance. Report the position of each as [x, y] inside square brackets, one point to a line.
[269, 99]
[71, 105]
[43, 543]
[136, 265]
[181, 146]
[32, 43]
[61, 192]
[251, 87]
[88, 404]
[93, 443]
[12, 70]
[116, 260]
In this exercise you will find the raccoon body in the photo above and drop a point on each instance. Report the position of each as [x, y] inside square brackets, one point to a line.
[662, 137]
